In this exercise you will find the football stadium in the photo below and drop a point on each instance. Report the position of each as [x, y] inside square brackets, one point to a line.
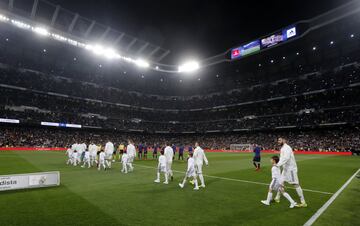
[179, 112]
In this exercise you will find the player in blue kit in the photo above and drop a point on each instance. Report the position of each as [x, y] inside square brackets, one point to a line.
[174, 150]
[181, 152]
[145, 148]
[257, 157]
[155, 151]
[140, 151]
[190, 149]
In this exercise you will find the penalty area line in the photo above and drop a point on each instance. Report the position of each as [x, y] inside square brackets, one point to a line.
[330, 201]
[243, 181]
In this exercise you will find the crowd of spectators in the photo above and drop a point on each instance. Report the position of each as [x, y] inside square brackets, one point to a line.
[319, 140]
[304, 83]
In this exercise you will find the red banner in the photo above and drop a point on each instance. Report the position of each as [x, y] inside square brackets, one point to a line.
[230, 151]
[30, 149]
[296, 152]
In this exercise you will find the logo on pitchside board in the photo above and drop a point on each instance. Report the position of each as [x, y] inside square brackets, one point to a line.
[7, 182]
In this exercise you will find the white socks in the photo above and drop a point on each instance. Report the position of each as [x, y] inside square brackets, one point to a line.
[158, 176]
[184, 181]
[196, 183]
[288, 197]
[202, 179]
[269, 197]
[300, 193]
[278, 195]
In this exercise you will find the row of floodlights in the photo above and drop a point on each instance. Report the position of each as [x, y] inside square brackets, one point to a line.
[97, 49]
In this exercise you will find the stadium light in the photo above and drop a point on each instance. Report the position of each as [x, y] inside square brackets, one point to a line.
[352, 35]
[41, 31]
[141, 63]
[20, 24]
[332, 42]
[314, 48]
[4, 18]
[189, 66]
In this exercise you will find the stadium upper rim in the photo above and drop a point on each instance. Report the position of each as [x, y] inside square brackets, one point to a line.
[62, 24]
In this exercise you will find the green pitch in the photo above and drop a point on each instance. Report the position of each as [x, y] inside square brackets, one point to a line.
[89, 197]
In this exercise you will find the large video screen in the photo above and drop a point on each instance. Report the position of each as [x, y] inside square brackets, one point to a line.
[279, 37]
[244, 50]
[257, 45]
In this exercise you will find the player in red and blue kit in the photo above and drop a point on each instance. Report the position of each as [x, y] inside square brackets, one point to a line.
[257, 157]
[174, 150]
[190, 149]
[145, 151]
[181, 152]
[155, 150]
[140, 150]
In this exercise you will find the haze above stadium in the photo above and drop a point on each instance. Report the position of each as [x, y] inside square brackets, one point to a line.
[200, 28]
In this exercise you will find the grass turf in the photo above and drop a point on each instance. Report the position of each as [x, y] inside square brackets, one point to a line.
[89, 197]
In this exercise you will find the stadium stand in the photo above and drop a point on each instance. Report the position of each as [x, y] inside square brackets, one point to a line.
[302, 89]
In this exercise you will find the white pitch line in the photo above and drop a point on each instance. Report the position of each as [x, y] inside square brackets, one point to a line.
[244, 181]
[330, 201]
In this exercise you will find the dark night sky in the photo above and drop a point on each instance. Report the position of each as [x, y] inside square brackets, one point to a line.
[199, 28]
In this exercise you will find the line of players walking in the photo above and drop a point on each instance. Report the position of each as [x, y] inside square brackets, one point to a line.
[102, 158]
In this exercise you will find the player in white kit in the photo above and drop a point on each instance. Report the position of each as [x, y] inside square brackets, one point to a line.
[86, 159]
[124, 162]
[69, 152]
[289, 171]
[75, 158]
[93, 152]
[162, 168]
[131, 151]
[109, 149]
[101, 160]
[190, 172]
[169, 155]
[276, 184]
[200, 158]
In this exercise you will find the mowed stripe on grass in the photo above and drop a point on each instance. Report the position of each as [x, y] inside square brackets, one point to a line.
[134, 199]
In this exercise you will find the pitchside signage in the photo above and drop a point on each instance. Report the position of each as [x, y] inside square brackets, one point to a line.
[257, 45]
[30, 180]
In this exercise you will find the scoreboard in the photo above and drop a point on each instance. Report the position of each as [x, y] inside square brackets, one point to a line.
[264, 43]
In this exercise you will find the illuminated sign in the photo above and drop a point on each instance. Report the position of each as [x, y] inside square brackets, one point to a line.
[278, 37]
[60, 124]
[244, 50]
[6, 120]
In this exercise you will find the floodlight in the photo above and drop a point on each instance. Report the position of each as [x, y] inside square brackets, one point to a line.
[98, 49]
[20, 24]
[141, 63]
[4, 18]
[110, 53]
[41, 31]
[189, 66]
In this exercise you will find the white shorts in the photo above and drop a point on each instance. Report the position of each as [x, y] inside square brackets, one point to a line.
[108, 156]
[168, 166]
[275, 185]
[131, 159]
[162, 169]
[198, 168]
[290, 176]
[191, 173]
